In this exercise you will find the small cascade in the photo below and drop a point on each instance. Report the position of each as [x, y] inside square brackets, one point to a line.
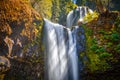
[77, 14]
[72, 54]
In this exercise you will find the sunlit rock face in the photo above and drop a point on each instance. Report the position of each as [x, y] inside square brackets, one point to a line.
[20, 37]
[18, 26]
[77, 15]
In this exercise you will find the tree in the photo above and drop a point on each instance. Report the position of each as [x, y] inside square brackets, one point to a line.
[101, 5]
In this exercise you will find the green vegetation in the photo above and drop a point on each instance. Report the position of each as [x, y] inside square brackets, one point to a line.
[44, 7]
[91, 16]
[96, 53]
[103, 42]
[53, 9]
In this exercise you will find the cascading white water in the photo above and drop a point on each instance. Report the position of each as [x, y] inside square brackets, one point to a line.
[51, 52]
[60, 57]
[56, 63]
[72, 54]
[77, 14]
[62, 51]
[61, 60]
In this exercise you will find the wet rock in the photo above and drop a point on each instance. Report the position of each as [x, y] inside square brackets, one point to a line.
[80, 38]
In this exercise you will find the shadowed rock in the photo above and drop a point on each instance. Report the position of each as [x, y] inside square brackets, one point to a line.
[4, 64]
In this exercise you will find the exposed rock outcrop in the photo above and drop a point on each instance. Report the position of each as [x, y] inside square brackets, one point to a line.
[20, 38]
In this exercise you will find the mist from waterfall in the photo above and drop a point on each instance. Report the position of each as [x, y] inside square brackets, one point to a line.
[61, 52]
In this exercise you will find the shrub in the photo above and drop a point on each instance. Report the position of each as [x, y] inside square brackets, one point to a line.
[100, 50]
[114, 37]
[104, 55]
[117, 48]
[93, 47]
[91, 16]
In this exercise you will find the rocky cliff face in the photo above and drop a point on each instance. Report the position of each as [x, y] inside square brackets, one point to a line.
[20, 38]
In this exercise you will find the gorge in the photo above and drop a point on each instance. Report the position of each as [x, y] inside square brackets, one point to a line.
[58, 40]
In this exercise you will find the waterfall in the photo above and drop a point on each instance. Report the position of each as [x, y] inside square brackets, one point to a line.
[77, 14]
[62, 47]
[52, 67]
[60, 53]
[73, 55]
